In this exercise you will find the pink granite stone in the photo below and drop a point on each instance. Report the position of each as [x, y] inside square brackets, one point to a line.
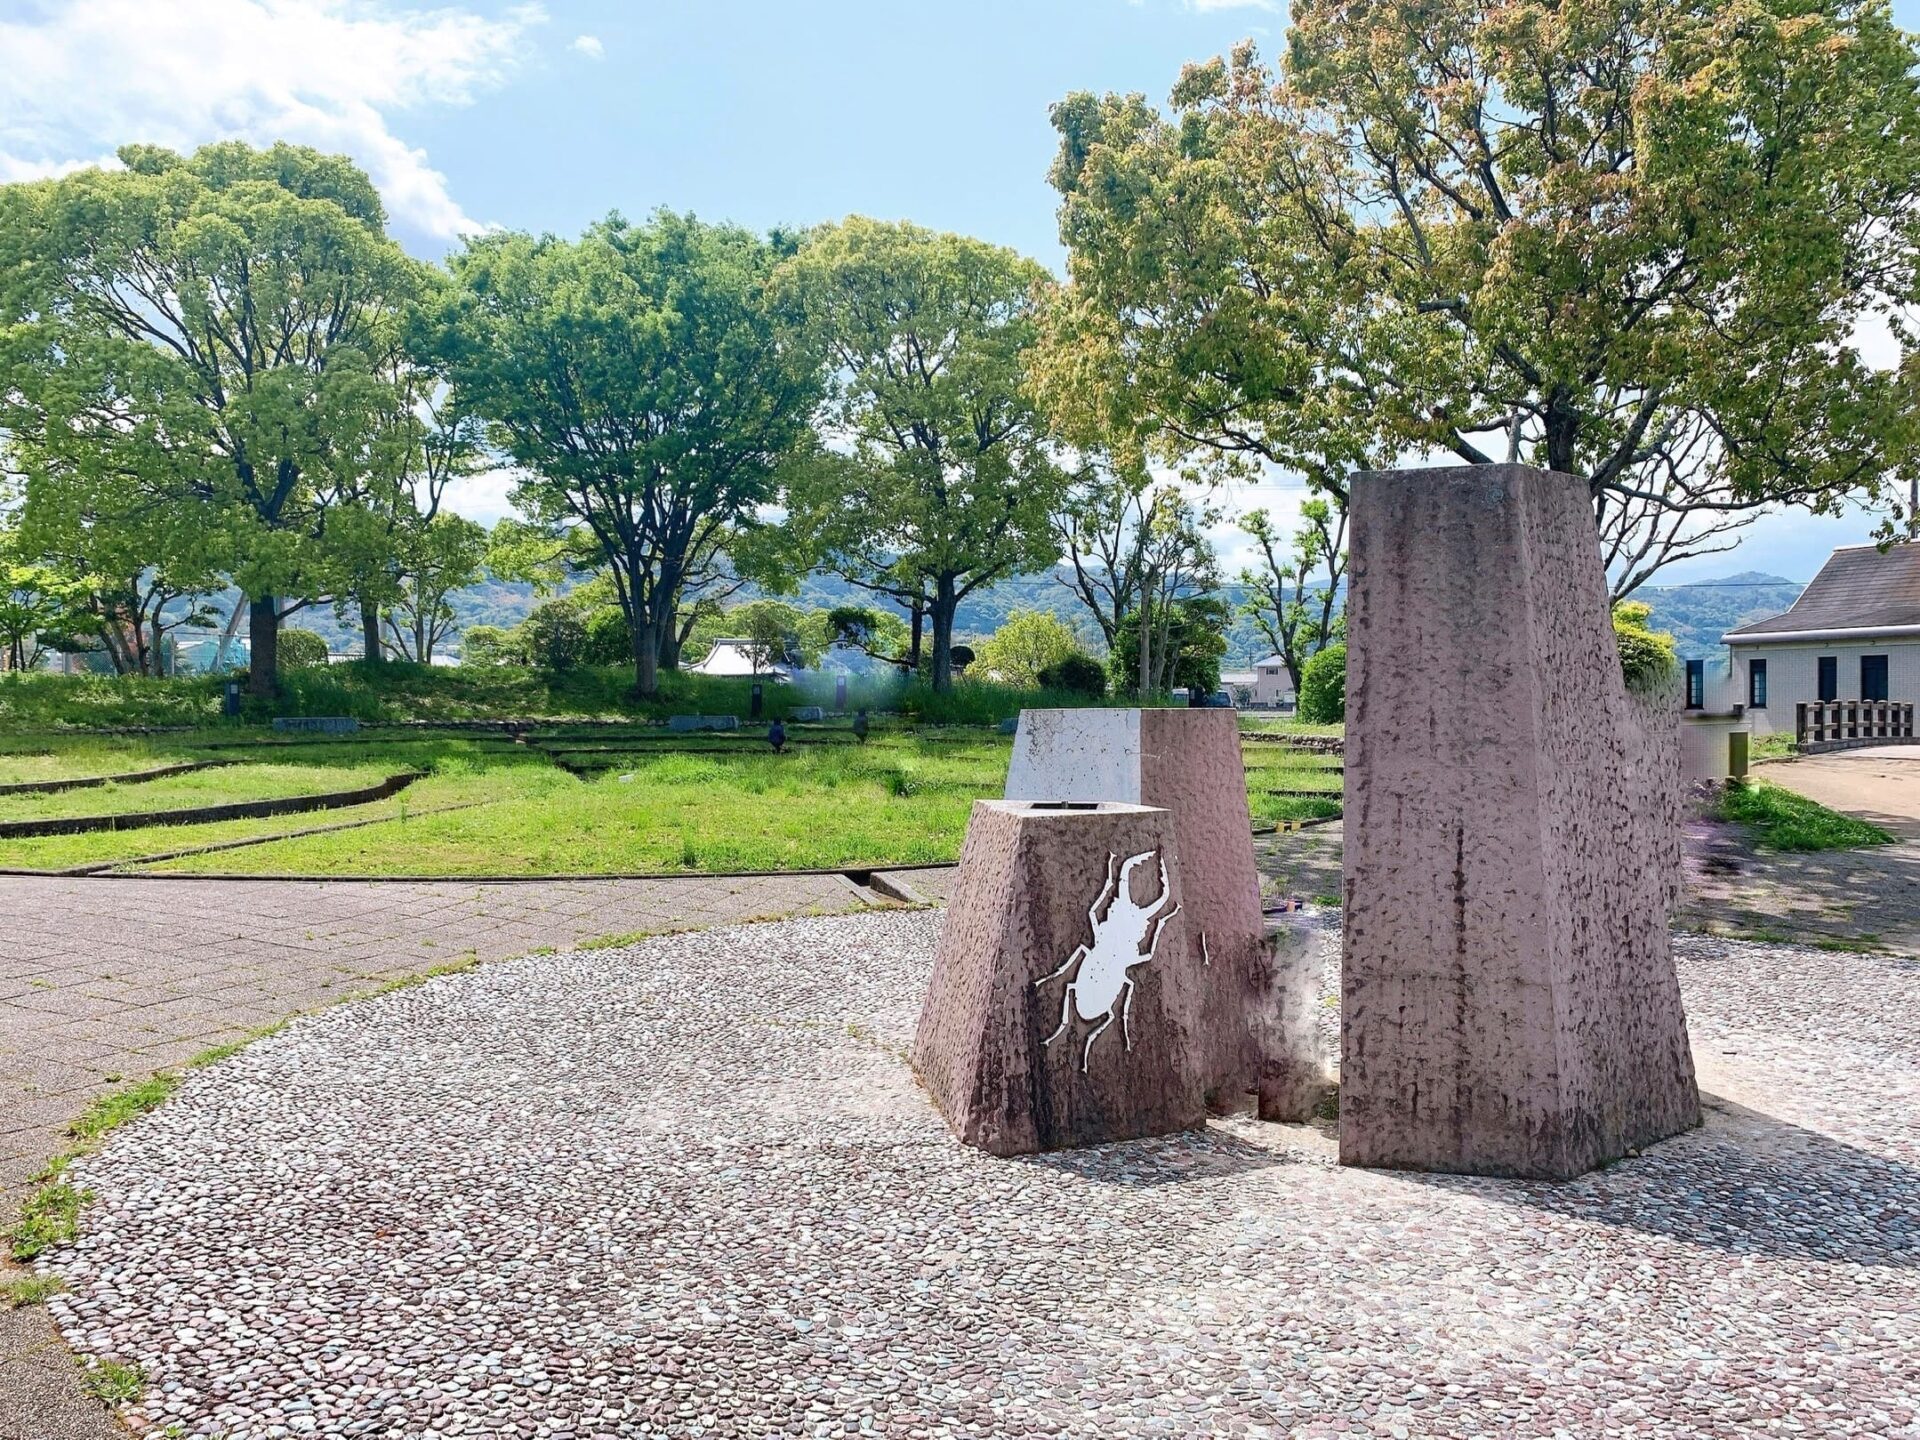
[1062, 1007]
[1509, 1002]
[1188, 761]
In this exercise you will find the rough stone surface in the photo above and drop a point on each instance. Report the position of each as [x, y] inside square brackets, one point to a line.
[1189, 762]
[1512, 841]
[690, 1188]
[1063, 1004]
[1293, 1072]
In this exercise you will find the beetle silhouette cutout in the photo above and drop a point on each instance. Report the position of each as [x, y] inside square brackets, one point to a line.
[1103, 983]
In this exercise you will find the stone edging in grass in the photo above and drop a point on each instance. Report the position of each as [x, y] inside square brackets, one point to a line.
[209, 814]
[88, 782]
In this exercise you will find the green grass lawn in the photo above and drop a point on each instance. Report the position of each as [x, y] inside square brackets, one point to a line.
[222, 785]
[1783, 820]
[627, 798]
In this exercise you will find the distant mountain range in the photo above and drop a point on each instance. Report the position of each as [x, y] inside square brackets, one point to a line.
[1698, 614]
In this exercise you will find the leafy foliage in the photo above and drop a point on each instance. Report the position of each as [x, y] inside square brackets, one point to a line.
[301, 650]
[1323, 687]
[210, 340]
[553, 636]
[1647, 656]
[1030, 643]
[947, 481]
[1078, 673]
[1191, 635]
[1627, 242]
[644, 386]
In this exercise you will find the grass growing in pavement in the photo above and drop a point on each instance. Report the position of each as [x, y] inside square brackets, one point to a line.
[20, 1291]
[1783, 820]
[113, 1382]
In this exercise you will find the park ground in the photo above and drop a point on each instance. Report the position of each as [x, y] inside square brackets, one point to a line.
[112, 977]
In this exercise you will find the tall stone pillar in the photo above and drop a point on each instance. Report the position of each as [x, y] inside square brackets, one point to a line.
[1187, 760]
[1509, 1002]
[1062, 1006]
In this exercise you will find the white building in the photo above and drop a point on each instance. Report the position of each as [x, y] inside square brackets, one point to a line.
[1854, 634]
[735, 658]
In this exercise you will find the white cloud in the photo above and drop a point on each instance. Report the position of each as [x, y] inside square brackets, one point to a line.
[1206, 6]
[589, 46]
[83, 77]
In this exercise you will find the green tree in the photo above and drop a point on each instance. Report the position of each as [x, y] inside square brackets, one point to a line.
[940, 478]
[1028, 643]
[434, 559]
[207, 333]
[1293, 595]
[34, 599]
[132, 572]
[1627, 242]
[489, 645]
[1323, 687]
[553, 636]
[1189, 634]
[644, 387]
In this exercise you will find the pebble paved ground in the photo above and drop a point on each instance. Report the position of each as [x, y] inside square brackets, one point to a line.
[103, 982]
[690, 1187]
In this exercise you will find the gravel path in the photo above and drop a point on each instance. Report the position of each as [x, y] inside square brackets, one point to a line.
[690, 1187]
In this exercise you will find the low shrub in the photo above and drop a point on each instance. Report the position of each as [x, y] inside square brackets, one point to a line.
[300, 650]
[1323, 687]
[1078, 673]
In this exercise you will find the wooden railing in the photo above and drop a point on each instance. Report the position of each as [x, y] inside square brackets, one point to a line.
[1822, 722]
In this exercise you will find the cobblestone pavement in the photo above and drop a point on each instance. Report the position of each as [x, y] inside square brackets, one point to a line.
[105, 981]
[725, 1208]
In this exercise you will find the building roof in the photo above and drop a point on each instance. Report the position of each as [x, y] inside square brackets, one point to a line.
[1859, 589]
[734, 657]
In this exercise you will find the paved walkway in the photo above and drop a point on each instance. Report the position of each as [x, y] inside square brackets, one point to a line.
[1880, 785]
[104, 982]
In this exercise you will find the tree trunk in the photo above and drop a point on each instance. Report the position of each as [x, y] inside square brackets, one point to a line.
[944, 604]
[670, 641]
[263, 636]
[1146, 650]
[646, 660]
[370, 631]
[913, 646]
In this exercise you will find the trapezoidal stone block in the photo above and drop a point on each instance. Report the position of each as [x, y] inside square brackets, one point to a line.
[1187, 761]
[1061, 1007]
[1509, 1002]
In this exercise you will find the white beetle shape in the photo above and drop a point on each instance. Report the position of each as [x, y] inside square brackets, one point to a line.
[1102, 983]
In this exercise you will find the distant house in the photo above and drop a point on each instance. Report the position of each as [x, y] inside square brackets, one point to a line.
[1272, 686]
[1854, 634]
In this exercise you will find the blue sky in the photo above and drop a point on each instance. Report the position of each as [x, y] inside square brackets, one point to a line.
[547, 116]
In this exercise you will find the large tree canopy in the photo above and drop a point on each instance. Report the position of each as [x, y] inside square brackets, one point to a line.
[1630, 242]
[207, 334]
[937, 476]
[642, 383]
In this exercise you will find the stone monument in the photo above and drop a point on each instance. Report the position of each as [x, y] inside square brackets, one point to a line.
[1062, 1009]
[1509, 1002]
[1187, 761]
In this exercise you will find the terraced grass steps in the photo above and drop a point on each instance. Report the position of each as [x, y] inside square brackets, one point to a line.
[208, 814]
[88, 782]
